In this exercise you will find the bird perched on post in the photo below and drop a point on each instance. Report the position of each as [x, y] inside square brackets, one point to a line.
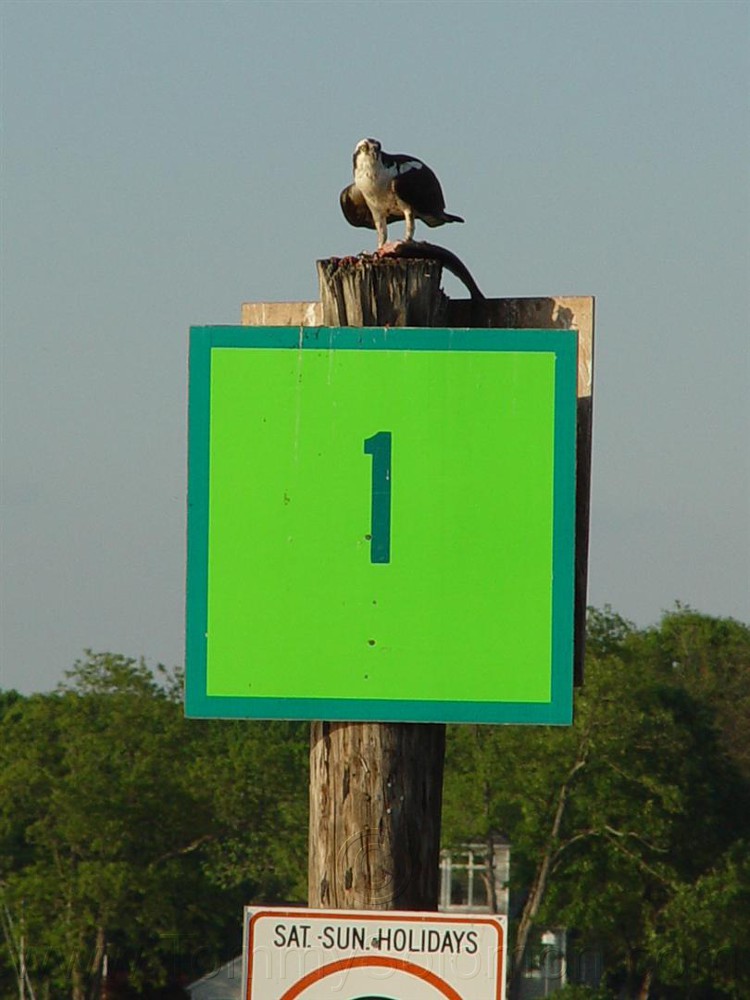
[390, 186]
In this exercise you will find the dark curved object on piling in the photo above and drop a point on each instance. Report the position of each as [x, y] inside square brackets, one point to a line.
[431, 251]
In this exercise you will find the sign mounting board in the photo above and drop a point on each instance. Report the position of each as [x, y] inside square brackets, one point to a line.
[381, 524]
[365, 955]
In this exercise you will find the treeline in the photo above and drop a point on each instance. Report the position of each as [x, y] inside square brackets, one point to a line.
[128, 831]
[130, 838]
[632, 826]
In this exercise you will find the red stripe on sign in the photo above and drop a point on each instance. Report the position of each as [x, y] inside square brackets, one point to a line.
[376, 961]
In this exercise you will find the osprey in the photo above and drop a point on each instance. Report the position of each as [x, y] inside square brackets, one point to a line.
[390, 186]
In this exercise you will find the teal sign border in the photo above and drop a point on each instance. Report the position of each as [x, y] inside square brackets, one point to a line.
[562, 343]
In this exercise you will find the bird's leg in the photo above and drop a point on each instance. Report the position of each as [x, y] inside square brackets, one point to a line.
[409, 227]
[382, 227]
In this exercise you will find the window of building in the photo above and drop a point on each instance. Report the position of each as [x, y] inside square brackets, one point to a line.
[473, 879]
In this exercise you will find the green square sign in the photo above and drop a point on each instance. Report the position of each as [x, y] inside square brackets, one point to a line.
[381, 524]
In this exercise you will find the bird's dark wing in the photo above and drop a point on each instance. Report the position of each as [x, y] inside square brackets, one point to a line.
[420, 188]
[355, 209]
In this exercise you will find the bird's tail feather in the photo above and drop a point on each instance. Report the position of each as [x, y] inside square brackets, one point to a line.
[438, 220]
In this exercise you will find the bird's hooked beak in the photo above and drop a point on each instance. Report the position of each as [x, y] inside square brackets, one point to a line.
[368, 146]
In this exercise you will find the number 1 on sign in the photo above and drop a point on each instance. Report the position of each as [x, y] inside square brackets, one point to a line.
[379, 446]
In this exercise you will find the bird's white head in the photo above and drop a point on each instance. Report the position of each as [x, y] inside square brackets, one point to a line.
[368, 146]
[369, 149]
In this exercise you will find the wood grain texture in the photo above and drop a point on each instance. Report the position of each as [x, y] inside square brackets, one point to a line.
[385, 292]
[375, 802]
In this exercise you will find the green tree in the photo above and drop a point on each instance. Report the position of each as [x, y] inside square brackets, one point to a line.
[710, 658]
[258, 776]
[703, 947]
[117, 817]
[90, 785]
[614, 819]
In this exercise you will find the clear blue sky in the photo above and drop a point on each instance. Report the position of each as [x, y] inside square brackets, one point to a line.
[164, 162]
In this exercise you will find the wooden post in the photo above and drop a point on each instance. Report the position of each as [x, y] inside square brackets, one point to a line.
[376, 788]
[386, 292]
[375, 799]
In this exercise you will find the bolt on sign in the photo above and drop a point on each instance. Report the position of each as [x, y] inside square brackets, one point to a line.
[365, 955]
[381, 524]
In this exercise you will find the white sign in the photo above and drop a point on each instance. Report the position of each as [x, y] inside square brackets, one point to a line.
[300, 954]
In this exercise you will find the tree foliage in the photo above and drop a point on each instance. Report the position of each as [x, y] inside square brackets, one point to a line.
[119, 820]
[633, 816]
[129, 831]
